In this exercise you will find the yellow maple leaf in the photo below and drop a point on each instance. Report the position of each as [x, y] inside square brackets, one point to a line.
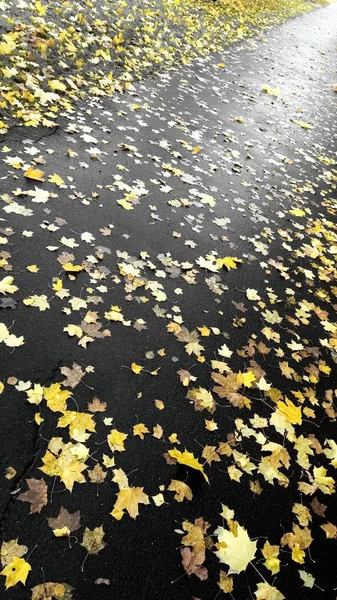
[297, 212]
[331, 452]
[182, 490]
[136, 368]
[79, 424]
[204, 331]
[70, 268]
[325, 484]
[35, 174]
[56, 398]
[265, 591]
[35, 394]
[290, 412]
[235, 549]
[121, 479]
[40, 302]
[33, 268]
[230, 262]
[211, 425]
[246, 379]
[125, 204]
[330, 530]
[173, 438]
[57, 285]
[128, 499]
[188, 459]
[227, 513]
[93, 540]
[16, 571]
[140, 429]
[73, 330]
[272, 561]
[116, 440]
[56, 179]
[202, 399]
[297, 554]
[57, 85]
[195, 536]
[225, 583]
[6, 286]
[158, 432]
[65, 461]
[38, 419]
[108, 461]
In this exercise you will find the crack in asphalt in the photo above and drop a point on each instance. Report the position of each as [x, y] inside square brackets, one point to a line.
[44, 135]
[53, 372]
[29, 465]
[32, 460]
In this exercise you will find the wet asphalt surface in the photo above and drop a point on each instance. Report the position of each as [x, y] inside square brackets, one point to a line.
[224, 112]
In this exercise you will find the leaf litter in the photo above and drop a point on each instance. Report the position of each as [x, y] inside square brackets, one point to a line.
[264, 381]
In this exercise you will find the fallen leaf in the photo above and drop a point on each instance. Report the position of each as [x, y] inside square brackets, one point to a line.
[93, 540]
[50, 591]
[192, 564]
[73, 375]
[36, 495]
[17, 570]
[182, 490]
[65, 519]
[35, 174]
[10, 549]
[235, 549]
[129, 499]
[188, 459]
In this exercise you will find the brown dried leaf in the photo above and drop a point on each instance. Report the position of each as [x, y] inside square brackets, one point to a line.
[73, 375]
[169, 459]
[94, 300]
[185, 377]
[96, 405]
[36, 495]
[66, 519]
[65, 257]
[192, 563]
[227, 384]
[318, 508]
[97, 474]
[93, 330]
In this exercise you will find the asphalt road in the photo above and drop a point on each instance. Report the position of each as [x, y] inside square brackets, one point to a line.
[207, 162]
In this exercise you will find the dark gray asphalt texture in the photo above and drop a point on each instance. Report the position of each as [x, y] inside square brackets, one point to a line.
[254, 160]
